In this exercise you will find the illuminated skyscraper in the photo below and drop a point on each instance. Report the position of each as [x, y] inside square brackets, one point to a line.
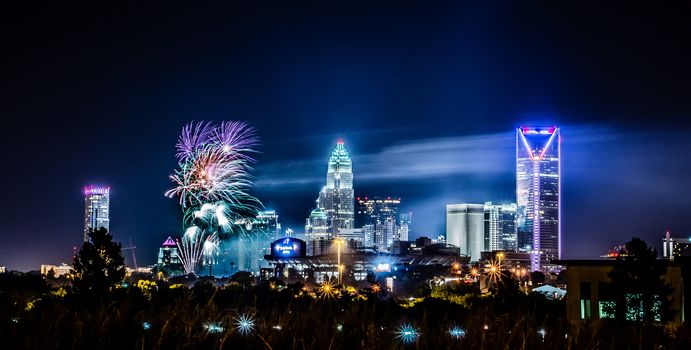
[379, 216]
[316, 229]
[336, 198]
[538, 188]
[96, 209]
[169, 258]
[500, 226]
[405, 224]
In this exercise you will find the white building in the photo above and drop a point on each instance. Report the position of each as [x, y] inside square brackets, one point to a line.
[465, 228]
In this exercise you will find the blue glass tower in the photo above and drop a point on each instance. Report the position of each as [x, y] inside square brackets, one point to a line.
[538, 193]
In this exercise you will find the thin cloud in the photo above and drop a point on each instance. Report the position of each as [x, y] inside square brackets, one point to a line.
[409, 160]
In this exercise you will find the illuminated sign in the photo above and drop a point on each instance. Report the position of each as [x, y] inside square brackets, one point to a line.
[288, 247]
[383, 268]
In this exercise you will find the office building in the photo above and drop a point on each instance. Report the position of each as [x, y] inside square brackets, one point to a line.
[500, 226]
[316, 229]
[169, 258]
[96, 209]
[379, 217]
[675, 247]
[353, 237]
[336, 199]
[263, 229]
[376, 209]
[465, 228]
[538, 190]
[404, 226]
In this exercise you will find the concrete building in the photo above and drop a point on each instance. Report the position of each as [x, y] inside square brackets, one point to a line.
[465, 228]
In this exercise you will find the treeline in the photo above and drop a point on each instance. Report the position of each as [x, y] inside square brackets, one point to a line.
[157, 315]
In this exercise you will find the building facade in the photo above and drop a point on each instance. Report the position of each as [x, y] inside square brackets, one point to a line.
[500, 226]
[465, 228]
[316, 229]
[675, 247]
[337, 197]
[380, 219]
[538, 191]
[590, 294]
[406, 220]
[96, 209]
[169, 258]
[57, 270]
[261, 231]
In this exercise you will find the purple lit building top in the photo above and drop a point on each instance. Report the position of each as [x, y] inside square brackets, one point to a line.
[91, 190]
[96, 208]
[169, 243]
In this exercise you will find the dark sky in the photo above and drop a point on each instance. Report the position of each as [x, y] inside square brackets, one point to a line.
[425, 95]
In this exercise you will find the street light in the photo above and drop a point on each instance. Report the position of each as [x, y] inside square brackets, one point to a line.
[339, 241]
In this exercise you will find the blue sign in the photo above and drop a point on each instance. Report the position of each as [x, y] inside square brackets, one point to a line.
[288, 247]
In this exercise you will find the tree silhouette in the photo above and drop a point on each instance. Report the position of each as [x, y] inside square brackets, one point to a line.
[99, 265]
[640, 291]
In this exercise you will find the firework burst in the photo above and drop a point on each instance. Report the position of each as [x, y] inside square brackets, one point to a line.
[210, 249]
[190, 248]
[214, 164]
[211, 183]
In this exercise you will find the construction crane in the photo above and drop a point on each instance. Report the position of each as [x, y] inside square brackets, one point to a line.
[132, 249]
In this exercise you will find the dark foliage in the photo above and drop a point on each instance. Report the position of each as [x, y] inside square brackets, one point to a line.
[99, 266]
[638, 277]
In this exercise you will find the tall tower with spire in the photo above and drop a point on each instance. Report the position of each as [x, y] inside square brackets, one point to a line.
[336, 199]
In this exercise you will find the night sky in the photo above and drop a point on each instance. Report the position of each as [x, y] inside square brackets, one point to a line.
[426, 97]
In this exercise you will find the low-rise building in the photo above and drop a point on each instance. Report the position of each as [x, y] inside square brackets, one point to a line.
[62, 269]
[590, 292]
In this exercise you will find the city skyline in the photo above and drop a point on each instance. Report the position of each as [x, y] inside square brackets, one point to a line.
[418, 93]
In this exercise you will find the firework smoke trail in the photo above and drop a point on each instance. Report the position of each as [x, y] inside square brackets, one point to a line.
[210, 249]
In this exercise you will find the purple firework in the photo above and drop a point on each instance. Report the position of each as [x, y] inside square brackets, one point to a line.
[193, 137]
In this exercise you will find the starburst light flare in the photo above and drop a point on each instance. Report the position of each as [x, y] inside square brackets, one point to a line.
[244, 324]
[407, 334]
[327, 290]
[456, 332]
